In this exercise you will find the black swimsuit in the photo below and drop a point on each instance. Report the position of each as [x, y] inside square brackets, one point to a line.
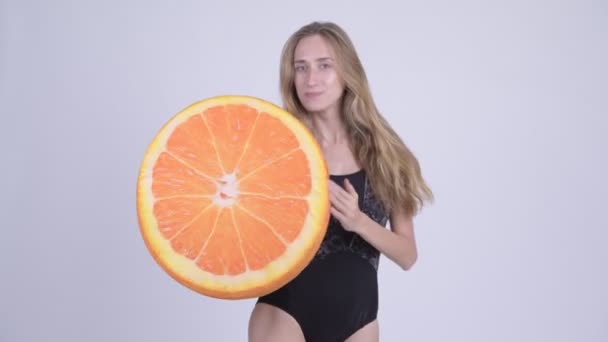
[337, 293]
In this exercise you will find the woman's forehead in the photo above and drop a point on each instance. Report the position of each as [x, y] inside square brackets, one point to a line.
[313, 48]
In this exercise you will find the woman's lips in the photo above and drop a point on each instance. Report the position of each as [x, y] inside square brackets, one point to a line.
[313, 94]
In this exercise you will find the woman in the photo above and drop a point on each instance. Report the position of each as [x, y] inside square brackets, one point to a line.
[374, 179]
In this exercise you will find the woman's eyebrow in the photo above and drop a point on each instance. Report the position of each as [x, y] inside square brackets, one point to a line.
[321, 59]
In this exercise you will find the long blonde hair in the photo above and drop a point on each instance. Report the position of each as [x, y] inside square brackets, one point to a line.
[393, 171]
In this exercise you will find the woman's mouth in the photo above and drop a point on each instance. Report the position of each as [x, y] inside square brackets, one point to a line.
[313, 94]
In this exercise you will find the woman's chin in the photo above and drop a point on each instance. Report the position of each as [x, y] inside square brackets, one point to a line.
[315, 107]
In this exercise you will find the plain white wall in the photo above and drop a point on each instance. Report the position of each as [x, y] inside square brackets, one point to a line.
[504, 103]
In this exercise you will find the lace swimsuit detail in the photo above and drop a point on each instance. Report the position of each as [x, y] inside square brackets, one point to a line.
[339, 240]
[337, 293]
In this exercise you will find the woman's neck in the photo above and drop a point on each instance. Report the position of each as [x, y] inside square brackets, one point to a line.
[328, 128]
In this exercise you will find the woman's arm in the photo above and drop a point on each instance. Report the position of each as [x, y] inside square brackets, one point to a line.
[398, 244]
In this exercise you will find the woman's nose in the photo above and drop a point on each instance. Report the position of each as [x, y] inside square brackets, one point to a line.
[312, 77]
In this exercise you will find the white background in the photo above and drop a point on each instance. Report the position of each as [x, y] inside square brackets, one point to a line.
[503, 102]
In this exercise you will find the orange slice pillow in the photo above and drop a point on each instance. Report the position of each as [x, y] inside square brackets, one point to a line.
[232, 197]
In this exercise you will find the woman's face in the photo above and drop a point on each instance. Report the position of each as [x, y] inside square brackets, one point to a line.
[317, 82]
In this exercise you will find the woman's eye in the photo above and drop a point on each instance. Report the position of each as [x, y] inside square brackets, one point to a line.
[300, 68]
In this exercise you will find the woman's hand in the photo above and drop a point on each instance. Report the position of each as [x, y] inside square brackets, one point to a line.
[345, 205]
[398, 243]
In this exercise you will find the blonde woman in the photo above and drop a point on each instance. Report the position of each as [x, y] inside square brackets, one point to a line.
[375, 179]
